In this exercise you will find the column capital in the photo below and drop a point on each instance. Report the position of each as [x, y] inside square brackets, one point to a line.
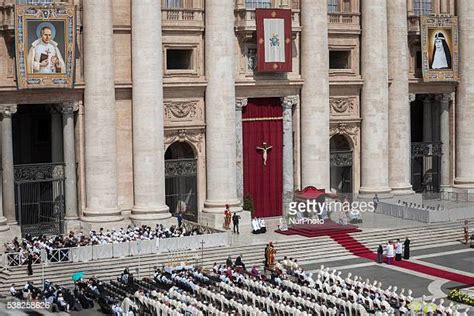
[411, 97]
[446, 97]
[69, 107]
[289, 101]
[240, 103]
[54, 109]
[7, 110]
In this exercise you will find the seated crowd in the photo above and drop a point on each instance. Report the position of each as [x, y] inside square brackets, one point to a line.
[57, 298]
[229, 289]
[34, 245]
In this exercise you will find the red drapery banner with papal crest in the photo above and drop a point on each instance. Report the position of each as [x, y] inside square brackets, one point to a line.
[274, 43]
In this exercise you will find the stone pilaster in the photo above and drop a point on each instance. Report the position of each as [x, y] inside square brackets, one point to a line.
[240, 103]
[69, 153]
[315, 94]
[220, 108]
[374, 109]
[444, 6]
[445, 137]
[399, 106]
[148, 121]
[7, 163]
[464, 177]
[100, 113]
[288, 169]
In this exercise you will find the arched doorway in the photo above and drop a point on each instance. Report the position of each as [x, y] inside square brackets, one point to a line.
[181, 180]
[341, 164]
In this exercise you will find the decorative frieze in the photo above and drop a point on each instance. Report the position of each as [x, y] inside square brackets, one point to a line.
[183, 111]
[343, 106]
[196, 137]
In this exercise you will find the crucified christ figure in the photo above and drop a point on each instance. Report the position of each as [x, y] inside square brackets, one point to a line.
[265, 148]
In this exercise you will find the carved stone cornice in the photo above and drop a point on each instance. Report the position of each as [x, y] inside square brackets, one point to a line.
[240, 103]
[182, 110]
[7, 110]
[196, 137]
[342, 105]
[289, 101]
[350, 129]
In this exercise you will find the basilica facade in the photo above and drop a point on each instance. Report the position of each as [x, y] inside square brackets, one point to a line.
[169, 113]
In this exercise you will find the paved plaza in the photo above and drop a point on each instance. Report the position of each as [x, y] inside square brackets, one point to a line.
[450, 255]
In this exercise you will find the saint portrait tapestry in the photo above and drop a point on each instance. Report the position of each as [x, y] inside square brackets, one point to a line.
[439, 40]
[45, 46]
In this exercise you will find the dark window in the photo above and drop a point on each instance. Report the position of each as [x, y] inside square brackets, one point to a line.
[333, 6]
[339, 59]
[179, 59]
[419, 60]
[422, 7]
[254, 4]
[177, 4]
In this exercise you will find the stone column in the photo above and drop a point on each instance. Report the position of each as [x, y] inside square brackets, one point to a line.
[148, 121]
[100, 113]
[56, 135]
[7, 163]
[444, 134]
[398, 96]
[464, 177]
[3, 220]
[427, 120]
[288, 174]
[220, 107]
[374, 109]
[240, 103]
[69, 146]
[315, 94]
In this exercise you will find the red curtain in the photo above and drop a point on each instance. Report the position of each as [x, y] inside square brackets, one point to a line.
[264, 184]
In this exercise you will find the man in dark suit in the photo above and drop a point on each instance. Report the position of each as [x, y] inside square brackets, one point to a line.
[235, 220]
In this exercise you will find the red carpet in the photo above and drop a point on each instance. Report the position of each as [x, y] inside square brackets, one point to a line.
[316, 230]
[358, 249]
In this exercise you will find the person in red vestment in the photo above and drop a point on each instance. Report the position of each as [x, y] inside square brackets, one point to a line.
[227, 217]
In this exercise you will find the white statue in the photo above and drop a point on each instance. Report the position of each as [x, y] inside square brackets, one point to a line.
[265, 150]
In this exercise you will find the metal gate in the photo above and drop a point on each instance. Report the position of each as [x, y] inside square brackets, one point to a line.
[39, 198]
[426, 166]
[341, 170]
[181, 187]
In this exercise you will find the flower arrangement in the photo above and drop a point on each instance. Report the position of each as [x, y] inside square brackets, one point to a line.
[458, 296]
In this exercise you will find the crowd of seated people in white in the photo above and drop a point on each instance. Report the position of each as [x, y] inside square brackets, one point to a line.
[258, 226]
[34, 245]
[439, 207]
[230, 290]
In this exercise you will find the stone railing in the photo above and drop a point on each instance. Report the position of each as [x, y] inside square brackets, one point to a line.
[182, 14]
[180, 18]
[343, 18]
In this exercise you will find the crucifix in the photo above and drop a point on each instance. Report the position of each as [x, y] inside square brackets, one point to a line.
[264, 149]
